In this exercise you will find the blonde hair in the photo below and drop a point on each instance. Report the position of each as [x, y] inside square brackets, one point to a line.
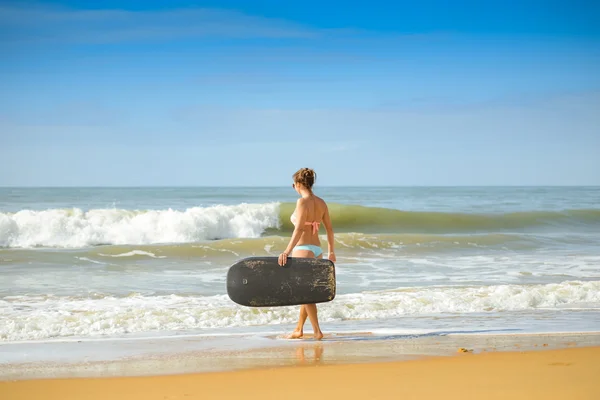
[306, 177]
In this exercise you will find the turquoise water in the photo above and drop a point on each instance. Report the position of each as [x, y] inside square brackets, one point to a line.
[443, 199]
[104, 262]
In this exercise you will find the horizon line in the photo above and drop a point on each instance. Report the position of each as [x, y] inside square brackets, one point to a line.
[282, 186]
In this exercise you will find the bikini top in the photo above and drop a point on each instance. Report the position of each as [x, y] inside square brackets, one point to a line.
[315, 224]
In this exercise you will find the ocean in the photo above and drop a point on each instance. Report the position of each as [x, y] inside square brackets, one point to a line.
[102, 263]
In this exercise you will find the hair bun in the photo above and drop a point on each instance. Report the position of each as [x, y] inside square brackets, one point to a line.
[305, 176]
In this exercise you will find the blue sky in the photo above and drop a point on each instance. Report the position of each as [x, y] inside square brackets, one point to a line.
[107, 93]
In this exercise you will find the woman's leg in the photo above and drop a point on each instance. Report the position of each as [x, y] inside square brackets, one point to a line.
[299, 331]
[311, 310]
[307, 310]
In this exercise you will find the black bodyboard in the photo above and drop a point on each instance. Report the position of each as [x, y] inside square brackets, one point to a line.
[262, 282]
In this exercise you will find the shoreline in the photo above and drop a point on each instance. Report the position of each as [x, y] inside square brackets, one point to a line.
[189, 355]
[549, 374]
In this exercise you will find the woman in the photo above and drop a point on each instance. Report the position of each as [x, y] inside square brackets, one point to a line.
[310, 212]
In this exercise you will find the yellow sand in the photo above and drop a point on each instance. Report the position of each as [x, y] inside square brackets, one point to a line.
[572, 373]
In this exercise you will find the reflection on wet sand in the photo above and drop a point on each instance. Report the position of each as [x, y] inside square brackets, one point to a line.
[317, 355]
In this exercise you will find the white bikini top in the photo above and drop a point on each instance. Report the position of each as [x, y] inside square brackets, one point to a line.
[314, 224]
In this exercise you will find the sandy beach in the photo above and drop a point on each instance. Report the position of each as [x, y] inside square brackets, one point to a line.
[567, 373]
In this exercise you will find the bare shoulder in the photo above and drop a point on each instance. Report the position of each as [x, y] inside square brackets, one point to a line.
[321, 203]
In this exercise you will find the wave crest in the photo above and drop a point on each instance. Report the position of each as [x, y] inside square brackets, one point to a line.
[355, 218]
[73, 228]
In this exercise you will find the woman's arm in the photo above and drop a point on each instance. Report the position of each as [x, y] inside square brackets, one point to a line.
[330, 239]
[297, 234]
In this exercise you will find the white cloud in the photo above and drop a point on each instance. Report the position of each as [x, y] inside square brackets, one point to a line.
[79, 113]
[571, 117]
[53, 24]
[44, 24]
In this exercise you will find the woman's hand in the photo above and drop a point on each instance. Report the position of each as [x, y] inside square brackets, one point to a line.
[332, 257]
[283, 259]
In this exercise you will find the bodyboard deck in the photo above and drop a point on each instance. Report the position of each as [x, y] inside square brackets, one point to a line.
[262, 282]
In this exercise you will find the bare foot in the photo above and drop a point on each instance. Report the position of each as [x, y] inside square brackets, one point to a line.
[318, 335]
[295, 335]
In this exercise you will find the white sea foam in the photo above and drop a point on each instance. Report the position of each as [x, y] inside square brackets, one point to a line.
[43, 317]
[133, 253]
[90, 260]
[72, 228]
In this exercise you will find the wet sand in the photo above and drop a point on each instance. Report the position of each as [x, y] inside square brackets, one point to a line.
[189, 355]
[569, 372]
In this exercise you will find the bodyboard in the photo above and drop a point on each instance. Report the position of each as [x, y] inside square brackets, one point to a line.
[262, 282]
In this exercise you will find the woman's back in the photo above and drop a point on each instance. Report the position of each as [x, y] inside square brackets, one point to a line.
[315, 210]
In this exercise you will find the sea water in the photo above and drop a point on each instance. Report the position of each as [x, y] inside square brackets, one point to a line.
[102, 263]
